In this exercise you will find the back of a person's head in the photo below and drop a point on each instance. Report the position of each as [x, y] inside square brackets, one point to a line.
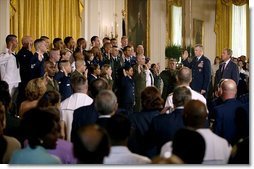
[106, 102]
[36, 124]
[151, 99]
[35, 89]
[181, 96]
[50, 98]
[189, 146]
[195, 114]
[119, 128]
[184, 76]
[78, 84]
[91, 145]
[96, 86]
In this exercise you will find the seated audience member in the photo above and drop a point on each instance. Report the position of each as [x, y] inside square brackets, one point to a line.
[92, 145]
[88, 114]
[64, 149]
[106, 105]
[8, 144]
[78, 99]
[33, 91]
[119, 128]
[184, 78]
[189, 146]
[217, 148]
[225, 113]
[164, 126]
[152, 103]
[40, 128]
[12, 119]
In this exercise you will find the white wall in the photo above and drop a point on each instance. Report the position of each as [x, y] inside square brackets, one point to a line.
[205, 11]
[99, 18]
[5, 22]
[158, 32]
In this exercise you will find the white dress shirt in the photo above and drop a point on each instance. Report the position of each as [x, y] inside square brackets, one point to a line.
[194, 96]
[122, 155]
[217, 148]
[70, 104]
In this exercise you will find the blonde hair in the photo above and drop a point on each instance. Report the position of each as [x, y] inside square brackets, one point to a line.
[35, 89]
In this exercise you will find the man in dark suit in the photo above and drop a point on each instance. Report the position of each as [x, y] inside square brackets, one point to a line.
[227, 69]
[225, 113]
[201, 71]
[164, 126]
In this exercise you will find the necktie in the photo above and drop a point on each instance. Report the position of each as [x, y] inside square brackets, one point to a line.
[223, 68]
[17, 62]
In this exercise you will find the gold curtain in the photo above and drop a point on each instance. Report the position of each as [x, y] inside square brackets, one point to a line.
[223, 23]
[52, 18]
[169, 4]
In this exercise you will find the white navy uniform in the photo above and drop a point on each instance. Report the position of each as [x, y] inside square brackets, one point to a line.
[9, 70]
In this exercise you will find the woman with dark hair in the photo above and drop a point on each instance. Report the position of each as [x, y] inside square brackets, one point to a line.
[7, 144]
[64, 149]
[152, 104]
[91, 145]
[40, 127]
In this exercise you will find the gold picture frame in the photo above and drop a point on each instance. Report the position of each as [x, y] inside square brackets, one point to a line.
[198, 32]
[138, 23]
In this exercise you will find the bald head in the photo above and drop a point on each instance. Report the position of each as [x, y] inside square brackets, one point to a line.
[195, 114]
[184, 76]
[229, 89]
[26, 41]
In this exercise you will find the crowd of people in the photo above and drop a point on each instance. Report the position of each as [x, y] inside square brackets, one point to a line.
[70, 102]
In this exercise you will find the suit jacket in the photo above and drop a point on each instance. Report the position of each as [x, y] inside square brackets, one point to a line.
[138, 141]
[164, 127]
[230, 72]
[201, 73]
[83, 116]
[225, 124]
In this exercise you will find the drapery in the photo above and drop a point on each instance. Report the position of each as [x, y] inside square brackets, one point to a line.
[223, 23]
[52, 18]
[169, 4]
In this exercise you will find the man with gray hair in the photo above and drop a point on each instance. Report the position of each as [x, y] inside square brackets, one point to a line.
[201, 70]
[106, 104]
